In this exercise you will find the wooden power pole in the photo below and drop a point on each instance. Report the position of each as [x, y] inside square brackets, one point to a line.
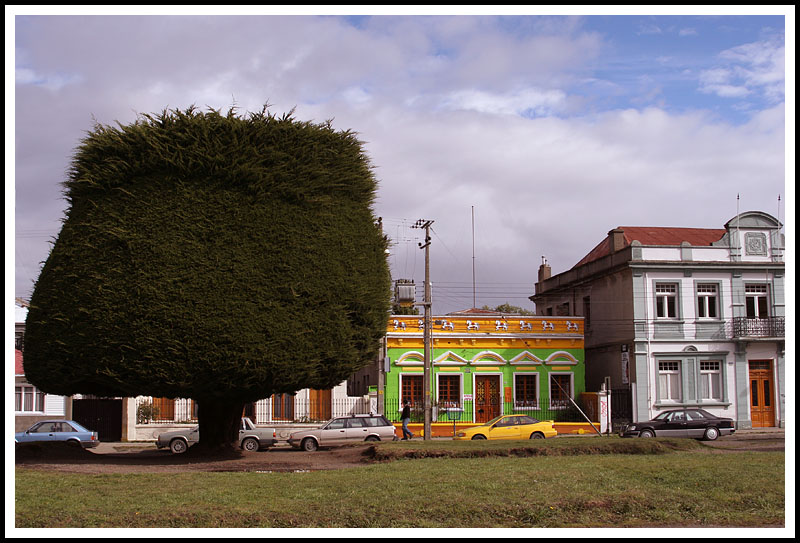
[426, 376]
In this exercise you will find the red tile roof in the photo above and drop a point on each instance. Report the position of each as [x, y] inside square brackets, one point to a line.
[655, 235]
[474, 311]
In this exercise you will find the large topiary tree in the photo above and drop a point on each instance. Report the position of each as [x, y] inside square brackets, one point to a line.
[217, 257]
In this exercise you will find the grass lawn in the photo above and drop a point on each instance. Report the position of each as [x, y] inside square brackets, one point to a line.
[675, 489]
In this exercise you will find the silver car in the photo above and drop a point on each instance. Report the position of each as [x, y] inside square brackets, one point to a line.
[251, 437]
[342, 430]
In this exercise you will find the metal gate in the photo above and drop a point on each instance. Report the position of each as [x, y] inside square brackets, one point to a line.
[101, 415]
[621, 407]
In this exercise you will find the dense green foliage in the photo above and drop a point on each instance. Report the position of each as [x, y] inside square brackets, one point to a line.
[509, 309]
[211, 256]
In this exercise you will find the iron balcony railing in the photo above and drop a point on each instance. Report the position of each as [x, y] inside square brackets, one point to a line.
[759, 328]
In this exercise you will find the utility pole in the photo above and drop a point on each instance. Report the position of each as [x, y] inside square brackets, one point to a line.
[426, 376]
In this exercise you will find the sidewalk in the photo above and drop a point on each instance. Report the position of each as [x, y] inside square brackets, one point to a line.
[106, 447]
[130, 446]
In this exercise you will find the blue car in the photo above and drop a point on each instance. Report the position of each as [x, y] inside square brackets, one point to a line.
[67, 431]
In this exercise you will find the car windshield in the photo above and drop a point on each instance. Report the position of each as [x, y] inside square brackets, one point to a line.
[663, 416]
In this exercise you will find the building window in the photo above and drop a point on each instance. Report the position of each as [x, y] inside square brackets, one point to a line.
[756, 301]
[710, 380]
[526, 387]
[707, 301]
[669, 380]
[666, 300]
[28, 399]
[449, 393]
[587, 311]
[411, 390]
[283, 407]
[163, 409]
[560, 390]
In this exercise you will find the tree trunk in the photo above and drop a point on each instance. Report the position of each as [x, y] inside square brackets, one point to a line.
[219, 424]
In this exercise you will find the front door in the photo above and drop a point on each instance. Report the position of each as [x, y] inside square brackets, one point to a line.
[762, 401]
[335, 433]
[487, 397]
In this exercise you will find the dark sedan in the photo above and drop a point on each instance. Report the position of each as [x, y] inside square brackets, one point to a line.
[694, 423]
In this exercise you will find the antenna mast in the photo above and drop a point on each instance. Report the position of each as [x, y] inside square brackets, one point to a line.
[474, 302]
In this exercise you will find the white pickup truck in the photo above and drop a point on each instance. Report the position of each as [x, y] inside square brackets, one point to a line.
[251, 438]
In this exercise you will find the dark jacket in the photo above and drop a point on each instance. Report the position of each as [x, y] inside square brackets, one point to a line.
[406, 413]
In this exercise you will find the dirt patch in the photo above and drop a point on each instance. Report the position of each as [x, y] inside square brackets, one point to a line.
[752, 442]
[151, 460]
[146, 458]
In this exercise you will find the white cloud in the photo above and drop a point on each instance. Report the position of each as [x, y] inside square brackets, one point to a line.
[53, 82]
[757, 67]
[527, 102]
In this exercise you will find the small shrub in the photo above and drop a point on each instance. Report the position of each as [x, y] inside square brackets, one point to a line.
[146, 412]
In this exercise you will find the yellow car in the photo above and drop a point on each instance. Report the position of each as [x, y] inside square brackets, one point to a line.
[509, 427]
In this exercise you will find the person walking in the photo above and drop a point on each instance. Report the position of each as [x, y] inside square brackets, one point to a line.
[406, 418]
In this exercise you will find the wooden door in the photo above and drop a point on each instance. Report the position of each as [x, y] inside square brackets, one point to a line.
[319, 404]
[762, 398]
[487, 397]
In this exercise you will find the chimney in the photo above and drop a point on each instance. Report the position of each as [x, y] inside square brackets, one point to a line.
[544, 270]
[616, 240]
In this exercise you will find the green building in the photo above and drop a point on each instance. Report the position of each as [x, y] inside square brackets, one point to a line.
[484, 364]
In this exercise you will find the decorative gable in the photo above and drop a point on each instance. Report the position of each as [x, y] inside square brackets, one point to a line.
[450, 359]
[526, 357]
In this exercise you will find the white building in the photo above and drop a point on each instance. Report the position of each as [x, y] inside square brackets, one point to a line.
[683, 317]
[31, 404]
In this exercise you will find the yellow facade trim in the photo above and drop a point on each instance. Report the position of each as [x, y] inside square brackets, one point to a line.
[485, 343]
[449, 325]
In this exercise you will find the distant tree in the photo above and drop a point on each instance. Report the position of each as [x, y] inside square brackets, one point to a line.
[404, 310]
[217, 257]
[510, 309]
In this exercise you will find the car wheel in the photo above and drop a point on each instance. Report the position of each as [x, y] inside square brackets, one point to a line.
[178, 446]
[479, 436]
[250, 444]
[537, 435]
[73, 443]
[371, 438]
[309, 445]
[646, 433]
[711, 434]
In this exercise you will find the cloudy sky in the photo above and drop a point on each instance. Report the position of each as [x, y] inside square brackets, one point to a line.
[550, 130]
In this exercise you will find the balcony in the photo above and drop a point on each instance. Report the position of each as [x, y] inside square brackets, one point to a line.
[770, 327]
